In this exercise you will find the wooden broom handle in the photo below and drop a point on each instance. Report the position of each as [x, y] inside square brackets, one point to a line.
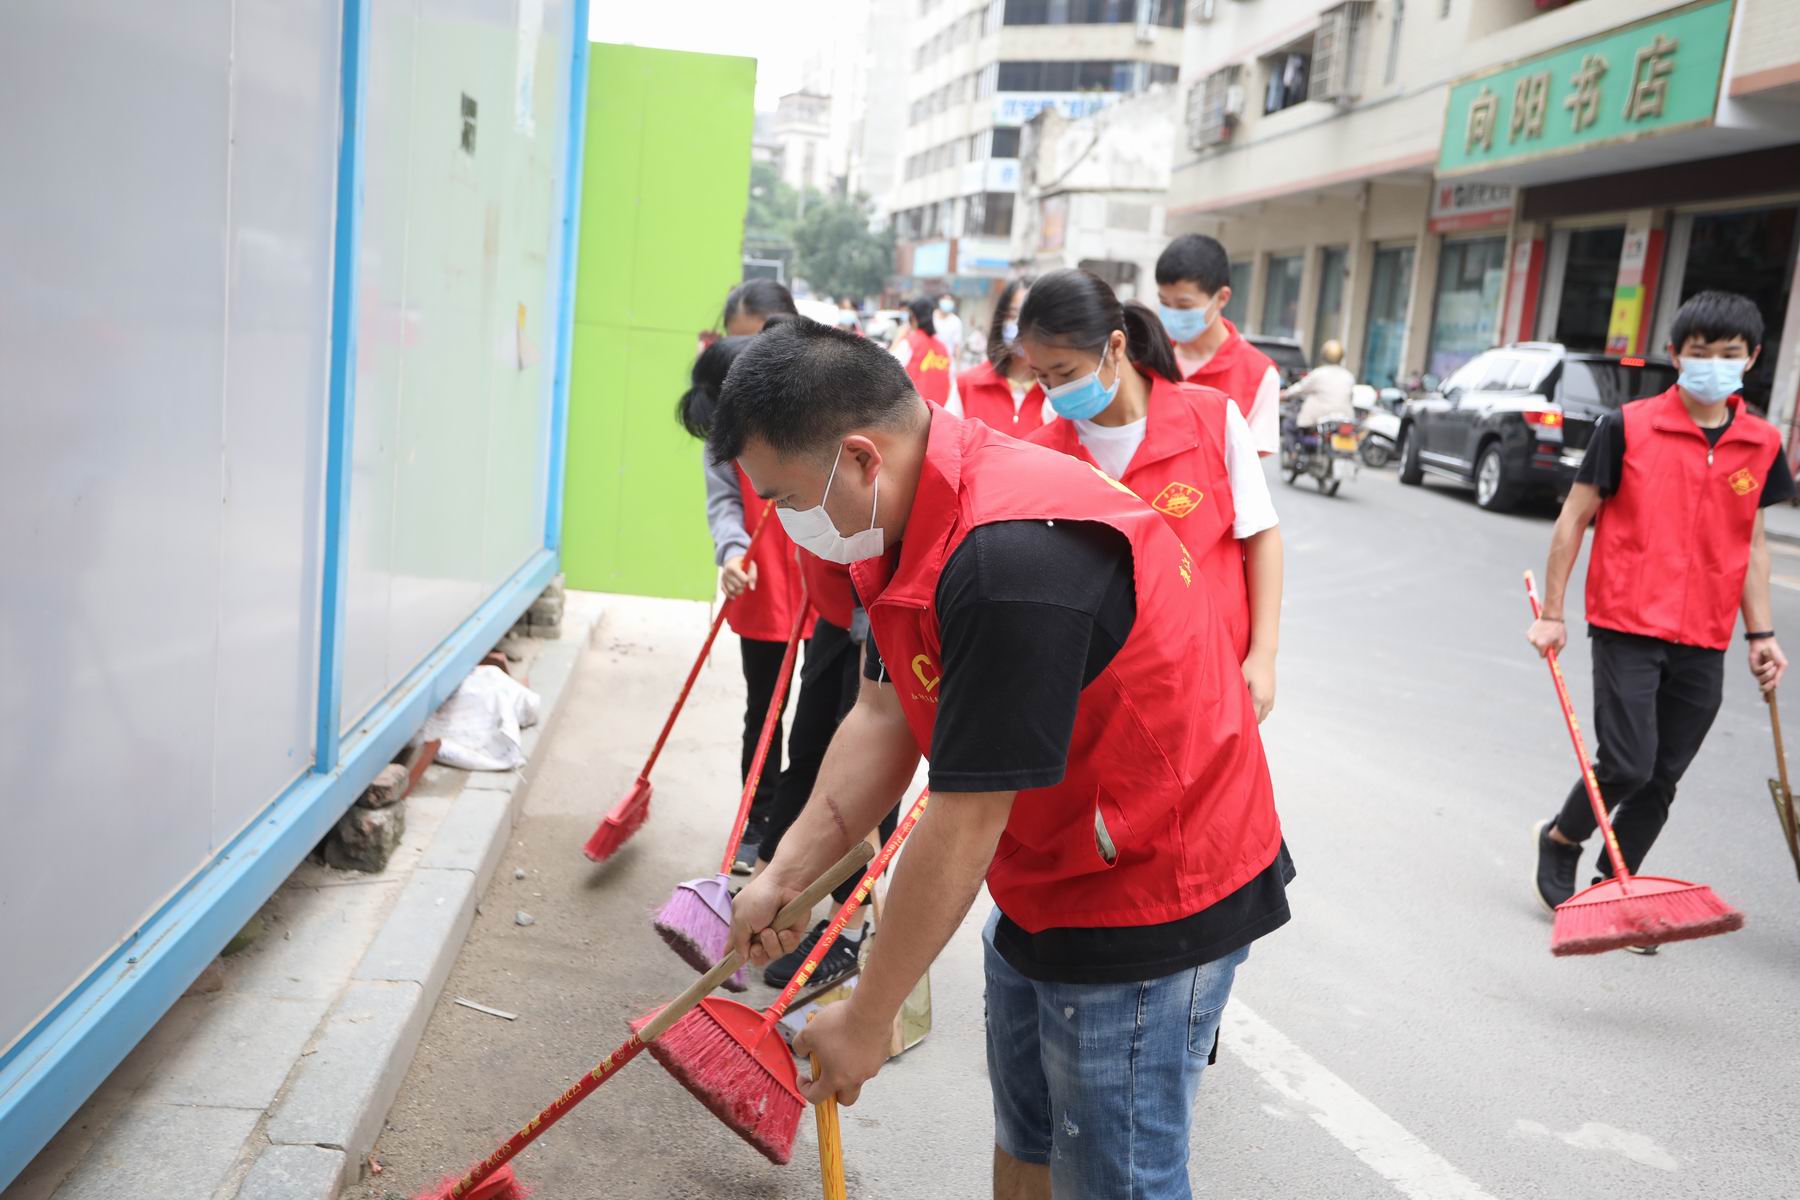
[1780, 748]
[798, 908]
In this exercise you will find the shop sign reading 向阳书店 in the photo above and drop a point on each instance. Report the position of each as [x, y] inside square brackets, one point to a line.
[1649, 78]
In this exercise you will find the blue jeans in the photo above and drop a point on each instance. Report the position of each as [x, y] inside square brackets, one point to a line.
[1098, 1080]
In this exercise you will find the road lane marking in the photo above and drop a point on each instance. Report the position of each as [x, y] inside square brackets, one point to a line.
[1381, 1142]
[1786, 581]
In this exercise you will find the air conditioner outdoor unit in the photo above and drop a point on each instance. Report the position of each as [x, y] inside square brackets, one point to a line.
[1202, 11]
[1337, 53]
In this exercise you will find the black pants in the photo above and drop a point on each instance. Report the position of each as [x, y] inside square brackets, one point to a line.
[762, 666]
[828, 684]
[1654, 702]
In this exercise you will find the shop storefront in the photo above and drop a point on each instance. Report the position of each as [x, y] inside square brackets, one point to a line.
[1390, 289]
[1640, 181]
[1465, 312]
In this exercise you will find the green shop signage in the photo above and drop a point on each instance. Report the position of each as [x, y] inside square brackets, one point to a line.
[1649, 78]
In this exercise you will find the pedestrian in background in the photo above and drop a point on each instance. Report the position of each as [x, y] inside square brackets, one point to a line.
[1001, 391]
[950, 329]
[923, 353]
[1193, 284]
[1675, 486]
[1185, 449]
[762, 589]
[1094, 759]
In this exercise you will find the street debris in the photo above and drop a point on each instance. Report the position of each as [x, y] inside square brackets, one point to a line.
[524, 918]
[482, 1008]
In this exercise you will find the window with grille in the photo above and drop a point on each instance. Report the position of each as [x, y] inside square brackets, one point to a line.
[1337, 53]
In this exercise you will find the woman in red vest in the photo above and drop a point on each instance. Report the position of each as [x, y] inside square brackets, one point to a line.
[1675, 487]
[1038, 633]
[1185, 449]
[1001, 392]
[926, 359]
[760, 589]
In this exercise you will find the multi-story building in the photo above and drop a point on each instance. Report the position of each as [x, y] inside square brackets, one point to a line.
[1092, 191]
[801, 132]
[881, 123]
[976, 70]
[1425, 178]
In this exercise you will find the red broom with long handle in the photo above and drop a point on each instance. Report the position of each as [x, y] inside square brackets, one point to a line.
[493, 1179]
[696, 919]
[1626, 910]
[629, 814]
[722, 1051]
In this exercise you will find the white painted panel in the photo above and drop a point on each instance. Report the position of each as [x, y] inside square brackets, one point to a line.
[279, 232]
[112, 315]
[388, 323]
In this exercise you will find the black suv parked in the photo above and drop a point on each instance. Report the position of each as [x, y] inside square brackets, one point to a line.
[1515, 421]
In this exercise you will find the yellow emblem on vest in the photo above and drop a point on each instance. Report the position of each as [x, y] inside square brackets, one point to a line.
[1742, 481]
[926, 671]
[933, 361]
[1178, 499]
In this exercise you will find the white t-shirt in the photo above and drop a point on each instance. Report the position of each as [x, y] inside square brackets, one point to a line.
[949, 331]
[1253, 509]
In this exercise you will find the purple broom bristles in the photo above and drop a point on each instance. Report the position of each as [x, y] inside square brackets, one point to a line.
[691, 922]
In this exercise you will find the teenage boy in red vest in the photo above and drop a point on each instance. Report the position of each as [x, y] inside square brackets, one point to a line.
[1675, 486]
[1193, 286]
[1040, 634]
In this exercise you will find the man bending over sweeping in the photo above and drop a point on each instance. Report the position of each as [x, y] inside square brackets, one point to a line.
[1675, 486]
[1040, 635]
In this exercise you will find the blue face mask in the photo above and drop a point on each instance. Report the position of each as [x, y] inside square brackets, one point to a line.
[1185, 324]
[1712, 380]
[1082, 399]
[1009, 332]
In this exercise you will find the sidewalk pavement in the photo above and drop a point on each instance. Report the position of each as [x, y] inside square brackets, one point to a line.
[270, 1078]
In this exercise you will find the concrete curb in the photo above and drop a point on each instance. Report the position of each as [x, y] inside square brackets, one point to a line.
[335, 1102]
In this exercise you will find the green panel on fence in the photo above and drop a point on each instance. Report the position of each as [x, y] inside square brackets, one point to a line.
[664, 185]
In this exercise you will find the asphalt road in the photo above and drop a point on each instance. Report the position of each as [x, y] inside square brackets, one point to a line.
[1408, 1034]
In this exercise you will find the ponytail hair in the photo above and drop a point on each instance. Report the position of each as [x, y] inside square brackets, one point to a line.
[921, 310]
[695, 408]
[1077, 308]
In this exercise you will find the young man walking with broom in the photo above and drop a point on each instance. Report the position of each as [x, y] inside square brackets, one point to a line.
[1040, 634]
[1675, 486]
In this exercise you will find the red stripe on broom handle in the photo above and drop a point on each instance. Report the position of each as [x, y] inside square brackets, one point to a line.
[705, 649]
[1581, 754]
[606, 1069]
[670, 1013]
[770, 724]
[776, 1010]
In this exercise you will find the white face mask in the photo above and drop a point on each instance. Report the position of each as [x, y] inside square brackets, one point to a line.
[812, 529]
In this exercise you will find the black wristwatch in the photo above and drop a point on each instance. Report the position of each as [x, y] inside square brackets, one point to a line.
[1758, 634]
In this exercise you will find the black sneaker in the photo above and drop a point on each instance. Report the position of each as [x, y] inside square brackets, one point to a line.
[839, 961]
[1556, 866]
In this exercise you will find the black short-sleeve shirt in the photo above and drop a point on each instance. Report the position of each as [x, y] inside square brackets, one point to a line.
[1030, 613]
[1603, 465]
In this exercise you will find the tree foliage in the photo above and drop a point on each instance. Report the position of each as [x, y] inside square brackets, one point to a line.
[837, 254]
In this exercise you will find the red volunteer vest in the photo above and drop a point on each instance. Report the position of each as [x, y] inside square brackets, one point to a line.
[1180, 471]
[766, 613]
[1165, 745]
[828, 588]
[929, 366]
[1238, 369]
[1671, 546]
[987, 397]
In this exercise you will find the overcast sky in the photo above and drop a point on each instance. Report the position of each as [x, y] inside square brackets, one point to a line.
[771, 31]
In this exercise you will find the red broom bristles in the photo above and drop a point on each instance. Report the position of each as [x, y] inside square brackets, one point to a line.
[728, 1079]
[1606, 917]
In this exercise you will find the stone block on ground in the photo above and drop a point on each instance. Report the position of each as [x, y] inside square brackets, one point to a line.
[294, 1173]
[555, 588]
[161, 1150]
[239, 1052]
[545, 609]
[390, 787]
[548, 632]
[343, 1089]
[365, 838]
